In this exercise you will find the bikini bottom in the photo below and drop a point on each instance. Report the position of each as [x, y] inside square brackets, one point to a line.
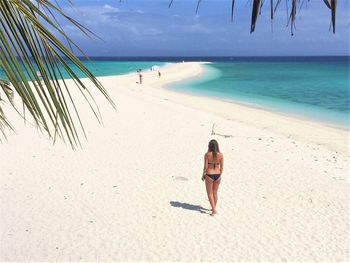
[214, 177]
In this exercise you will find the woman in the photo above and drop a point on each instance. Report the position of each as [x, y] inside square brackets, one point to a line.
[213, 166]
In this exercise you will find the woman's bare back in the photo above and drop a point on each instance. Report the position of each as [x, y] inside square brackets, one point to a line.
[214, 166]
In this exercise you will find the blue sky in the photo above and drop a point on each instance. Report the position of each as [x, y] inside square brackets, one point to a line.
[150, 28]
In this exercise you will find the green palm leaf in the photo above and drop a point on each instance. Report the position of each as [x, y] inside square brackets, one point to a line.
[34, 61]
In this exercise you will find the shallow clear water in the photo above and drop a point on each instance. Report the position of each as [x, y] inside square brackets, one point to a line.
[313, 88]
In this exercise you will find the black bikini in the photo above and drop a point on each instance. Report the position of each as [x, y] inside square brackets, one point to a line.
[214, 177]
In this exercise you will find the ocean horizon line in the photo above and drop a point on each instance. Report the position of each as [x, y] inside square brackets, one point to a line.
[203, 58]
[219, 56]
[215, 58]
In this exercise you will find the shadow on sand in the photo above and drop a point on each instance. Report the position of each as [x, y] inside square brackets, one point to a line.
[197, 208]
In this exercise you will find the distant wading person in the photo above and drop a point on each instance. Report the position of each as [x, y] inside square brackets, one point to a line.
[140, 77]
[213, 166]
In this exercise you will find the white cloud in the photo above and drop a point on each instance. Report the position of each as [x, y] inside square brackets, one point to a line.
[198, 28]
[152, 32]
[175, 16]
[111, 8]
[196, 17]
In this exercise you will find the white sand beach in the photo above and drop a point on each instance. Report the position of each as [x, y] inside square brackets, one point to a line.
[134, 191]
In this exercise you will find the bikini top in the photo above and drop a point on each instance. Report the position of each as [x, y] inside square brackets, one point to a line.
[214, 164]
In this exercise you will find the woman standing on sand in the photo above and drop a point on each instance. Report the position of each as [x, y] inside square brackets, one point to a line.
[213, 166]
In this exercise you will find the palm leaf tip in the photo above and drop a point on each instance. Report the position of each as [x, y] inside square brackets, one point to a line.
[332, 5]
[6, 87]
[198, 3]
[334, 8]
[232, 9]
[255, 12]
[271, 9]
[327, 4]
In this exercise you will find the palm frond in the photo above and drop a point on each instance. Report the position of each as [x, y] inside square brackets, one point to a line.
[271, 9]
[255, 12]
[232, 8]
[171, 2]
[198, 3]
[5, 85]
[257, 8]
[34, 62]
[277, 4]
[334, 9]
[4, 123]
[292, 15]
[327, 4]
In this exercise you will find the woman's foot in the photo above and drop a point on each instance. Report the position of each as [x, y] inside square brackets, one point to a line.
[213, 213]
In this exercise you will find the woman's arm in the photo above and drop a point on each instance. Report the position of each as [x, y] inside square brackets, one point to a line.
[221, 163]
[205, 163]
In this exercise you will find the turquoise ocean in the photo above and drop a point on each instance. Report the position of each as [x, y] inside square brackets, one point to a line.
[314, 88]
[108, 66]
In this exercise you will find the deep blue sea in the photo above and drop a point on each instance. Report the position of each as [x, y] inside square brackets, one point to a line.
[316, 88]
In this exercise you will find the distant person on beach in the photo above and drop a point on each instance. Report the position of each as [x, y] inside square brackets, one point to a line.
[159, 74]
[140, 77]
[213, 166]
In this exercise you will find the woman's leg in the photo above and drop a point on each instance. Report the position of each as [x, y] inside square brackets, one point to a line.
[215, 190]
[209, 187]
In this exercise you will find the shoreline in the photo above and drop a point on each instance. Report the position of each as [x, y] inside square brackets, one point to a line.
[291, 115]
[261, 107]
[270, 110]
[200, 101]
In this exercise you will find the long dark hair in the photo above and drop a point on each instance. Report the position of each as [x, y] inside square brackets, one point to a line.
[214, 148]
